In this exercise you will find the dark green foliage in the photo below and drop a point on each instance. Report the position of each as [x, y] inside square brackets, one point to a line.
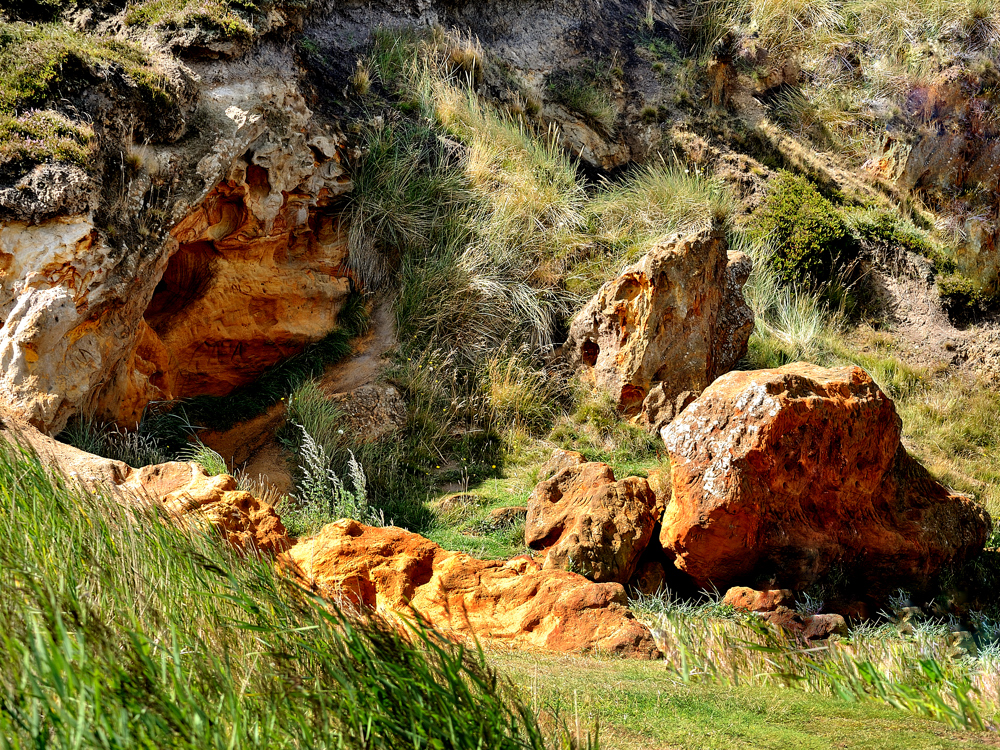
[37, 10]
[804, 228]
[962, 298]
[122, 630]
[883, 229]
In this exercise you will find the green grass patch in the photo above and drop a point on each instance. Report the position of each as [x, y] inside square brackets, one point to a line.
[123, 630]
[42, 63]
[587, 90]
[640, 706]
[38, 136]
[232, 19]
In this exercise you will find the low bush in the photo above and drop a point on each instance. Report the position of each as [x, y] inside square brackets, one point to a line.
[804, 229]
[963, 299]
[321, 496]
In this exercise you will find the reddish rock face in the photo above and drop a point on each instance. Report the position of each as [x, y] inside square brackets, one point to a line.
[514, 602]
[669, 324]
[586, 521]
[246, 523]
[781, 477]
[751, 600]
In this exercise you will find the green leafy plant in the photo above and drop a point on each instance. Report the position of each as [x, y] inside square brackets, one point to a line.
[804, 229]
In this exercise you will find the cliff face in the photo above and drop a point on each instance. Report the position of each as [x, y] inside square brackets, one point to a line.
[204, 244]
[223, 254]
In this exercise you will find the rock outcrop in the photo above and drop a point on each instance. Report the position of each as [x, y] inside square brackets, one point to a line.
[182, 489]
[585, 521]
[781, 477]
[777, 607]
[103, 320]
[670, 324]
[954, 152]
[505, 602]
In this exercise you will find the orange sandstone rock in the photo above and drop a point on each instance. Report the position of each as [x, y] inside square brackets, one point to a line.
[670, 324]
[513, 602]
[586, 521]
[780, 476]
[751, 600]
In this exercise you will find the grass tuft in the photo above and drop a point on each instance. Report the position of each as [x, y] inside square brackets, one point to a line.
[103, 647]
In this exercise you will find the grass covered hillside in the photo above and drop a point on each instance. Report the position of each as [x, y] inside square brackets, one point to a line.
[495, 175]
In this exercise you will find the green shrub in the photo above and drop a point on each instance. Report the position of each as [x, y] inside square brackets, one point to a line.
[962, 297]
[874, 227]
[209, 460]
[804, 228]
[37, 10]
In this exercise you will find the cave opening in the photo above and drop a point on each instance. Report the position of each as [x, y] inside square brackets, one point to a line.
[186, 279]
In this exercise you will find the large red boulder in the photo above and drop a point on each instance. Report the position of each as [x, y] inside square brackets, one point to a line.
[585, 521]
[783, 477]
[513, 602]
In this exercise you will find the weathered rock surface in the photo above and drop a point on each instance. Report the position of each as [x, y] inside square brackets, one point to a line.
[807, 627]
[513, 602]
[251, 271]
[783, 476]
[257, 271]
[671, 323]
[955, 151]
[183, 489]
[373, 411]
[752, 600]
[559, 460]
[586, 521]
[246, 523]
[776, 606]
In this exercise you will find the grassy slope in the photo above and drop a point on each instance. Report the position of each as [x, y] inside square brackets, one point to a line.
[122, 630]
[641, 706]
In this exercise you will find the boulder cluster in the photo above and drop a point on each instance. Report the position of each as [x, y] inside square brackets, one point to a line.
[779, 479]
